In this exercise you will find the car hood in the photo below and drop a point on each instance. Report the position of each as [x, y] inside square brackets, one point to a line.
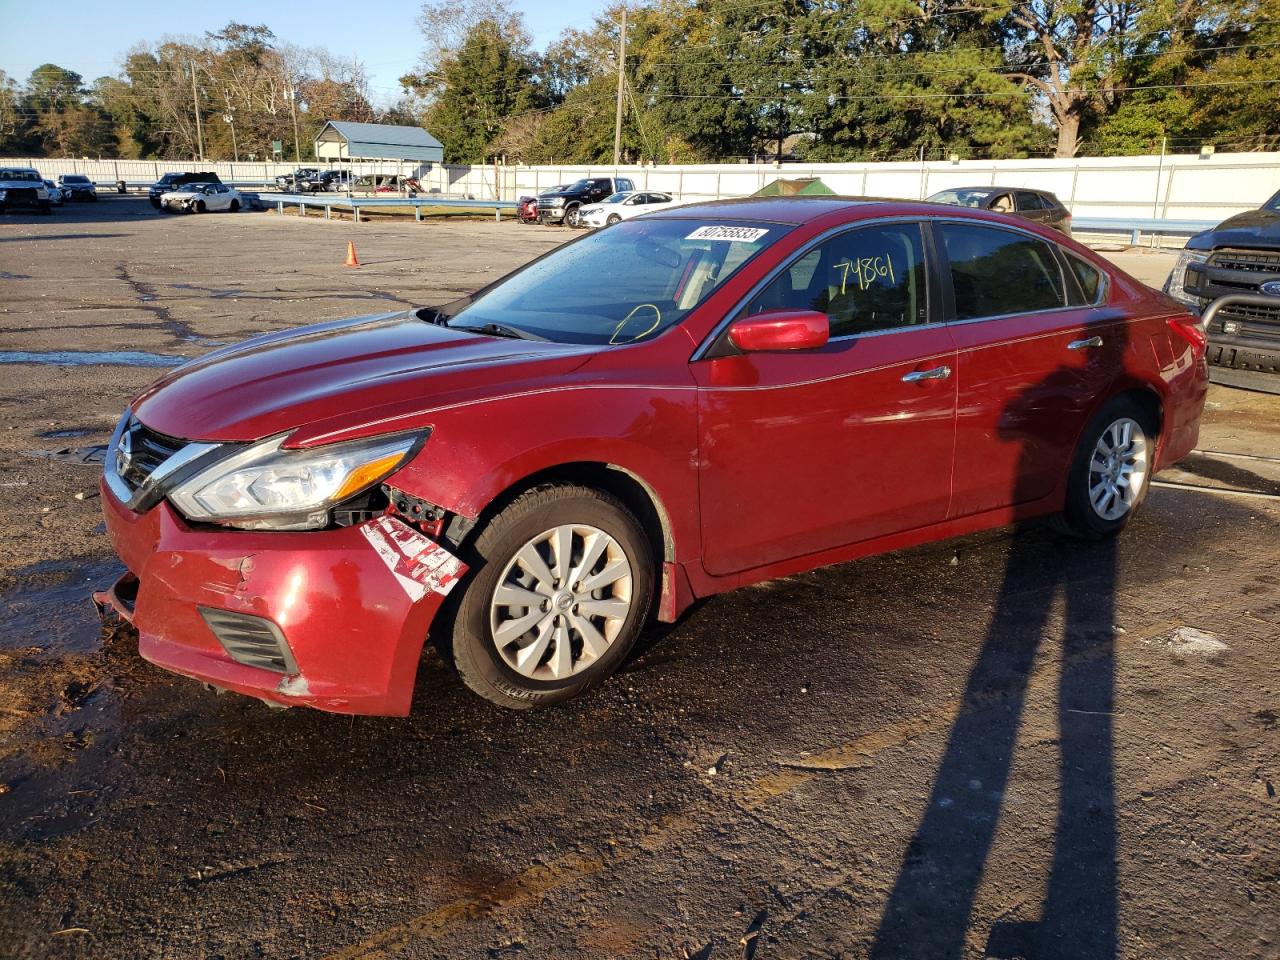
[1249, 229]
[344, 379]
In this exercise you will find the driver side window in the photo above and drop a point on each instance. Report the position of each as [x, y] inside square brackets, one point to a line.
[865, 280]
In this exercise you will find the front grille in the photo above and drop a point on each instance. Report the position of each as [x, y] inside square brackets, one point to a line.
[141, 450]
[27, 194]
[1252, 261]
[1249, 312]
[253, 641]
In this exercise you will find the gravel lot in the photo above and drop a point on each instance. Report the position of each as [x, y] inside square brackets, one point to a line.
[1006, 745]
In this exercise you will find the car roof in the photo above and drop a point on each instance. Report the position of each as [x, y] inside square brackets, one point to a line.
[995, 188]
[793, 210]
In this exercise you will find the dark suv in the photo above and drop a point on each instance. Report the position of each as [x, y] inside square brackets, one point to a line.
[294, 181]
[1231, 275]
[1038, 205]
[172, 181]
[563, 205]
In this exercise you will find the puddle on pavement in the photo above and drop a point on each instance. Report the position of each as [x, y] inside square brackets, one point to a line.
[90, 456]
[77, 358]
[70, 432]
[64, 706]
[50, 608]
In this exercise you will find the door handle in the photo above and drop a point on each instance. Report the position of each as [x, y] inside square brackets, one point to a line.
[1081, 344]
[937, 373]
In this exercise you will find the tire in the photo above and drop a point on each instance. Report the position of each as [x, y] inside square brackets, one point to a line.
[235, 206]
[613, 218]
[46, 209]
[562, 665]
[155, 203]
[199, 206]
[573, 216]
[1081, 516]
[93, 198]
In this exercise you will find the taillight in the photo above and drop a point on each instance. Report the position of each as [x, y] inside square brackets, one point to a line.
[1190, 329]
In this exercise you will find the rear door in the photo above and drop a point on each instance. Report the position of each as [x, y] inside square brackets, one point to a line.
[1033, 206]
[803, 451]
[1032, 361]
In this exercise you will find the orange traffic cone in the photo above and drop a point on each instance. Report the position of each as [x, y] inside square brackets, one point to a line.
[351, 255]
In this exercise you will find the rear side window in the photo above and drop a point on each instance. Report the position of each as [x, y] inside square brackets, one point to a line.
[1090, 279]
[997, 272]
[1030, 201]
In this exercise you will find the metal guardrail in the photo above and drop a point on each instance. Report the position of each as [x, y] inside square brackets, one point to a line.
[1135, 227]
[334, 201]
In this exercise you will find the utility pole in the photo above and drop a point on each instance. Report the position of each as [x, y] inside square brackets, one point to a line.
[195, 102]
[622, 61]
[293, 110]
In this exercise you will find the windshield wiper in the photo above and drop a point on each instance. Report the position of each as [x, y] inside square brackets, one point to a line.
[502, 330]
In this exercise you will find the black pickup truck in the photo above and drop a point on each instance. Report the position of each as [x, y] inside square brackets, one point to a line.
[563, 205]
[1231, 276]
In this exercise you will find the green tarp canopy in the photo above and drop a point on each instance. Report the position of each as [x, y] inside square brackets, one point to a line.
[806, 187]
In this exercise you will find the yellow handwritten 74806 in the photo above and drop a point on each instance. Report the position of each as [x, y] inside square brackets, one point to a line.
[865, 270]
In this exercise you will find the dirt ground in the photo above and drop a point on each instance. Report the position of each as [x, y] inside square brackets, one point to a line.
[1006, 745]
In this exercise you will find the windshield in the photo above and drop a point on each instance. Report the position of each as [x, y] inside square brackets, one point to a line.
[71, 178]
[622, 285]
[962, 198]
[616, 197]
[577, 185]
[20, 175]
[1273, 203]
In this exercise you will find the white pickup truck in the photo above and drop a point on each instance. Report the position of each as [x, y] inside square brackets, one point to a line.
[23, 187]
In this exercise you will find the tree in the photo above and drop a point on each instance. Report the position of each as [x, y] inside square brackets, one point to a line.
[476, 73]
[15, 123]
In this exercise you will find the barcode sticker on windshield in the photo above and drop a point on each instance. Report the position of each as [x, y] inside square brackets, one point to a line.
[730, 234]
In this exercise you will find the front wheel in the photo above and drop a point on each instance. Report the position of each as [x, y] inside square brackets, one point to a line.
[235, 206]
[560, 588]
[613, 218]
[1111, 471]
[200, 207]
[573, 217]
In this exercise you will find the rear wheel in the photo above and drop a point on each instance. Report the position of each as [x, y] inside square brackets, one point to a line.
[560, 588]
[1111, 471]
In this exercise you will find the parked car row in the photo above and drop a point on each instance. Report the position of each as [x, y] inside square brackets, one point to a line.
[590, 202]
[24, 187]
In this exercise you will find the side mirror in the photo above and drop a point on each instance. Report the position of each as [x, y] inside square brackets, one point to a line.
[780, 330]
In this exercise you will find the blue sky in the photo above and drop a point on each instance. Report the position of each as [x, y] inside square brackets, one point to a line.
[92, 38]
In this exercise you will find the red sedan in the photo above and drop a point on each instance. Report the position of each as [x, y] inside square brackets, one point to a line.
[701, 398]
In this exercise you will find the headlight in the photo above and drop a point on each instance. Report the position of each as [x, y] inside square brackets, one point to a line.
[3, 194]
[267, 487]
[1175, 286]
[557, 201]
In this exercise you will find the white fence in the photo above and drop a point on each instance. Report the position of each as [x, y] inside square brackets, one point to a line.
[1173, 187]
[1181, 187]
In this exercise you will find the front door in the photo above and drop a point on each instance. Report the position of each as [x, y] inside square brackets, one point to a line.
[806, 451]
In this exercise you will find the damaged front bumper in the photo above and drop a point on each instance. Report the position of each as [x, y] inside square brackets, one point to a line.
[331, 619]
